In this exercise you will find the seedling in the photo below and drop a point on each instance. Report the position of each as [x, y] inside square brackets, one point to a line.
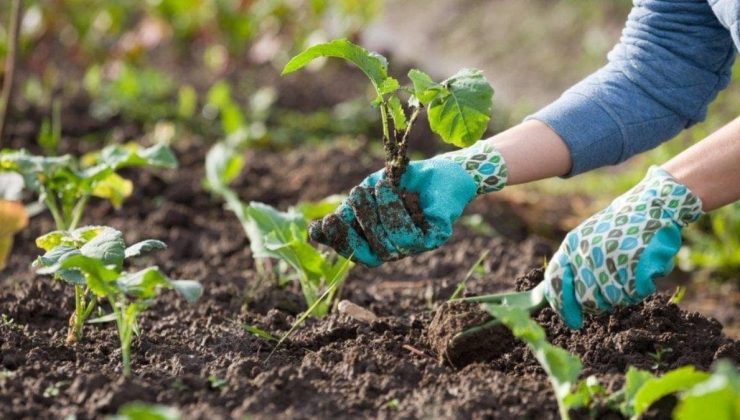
[65, 184]
[458, 109]
[659, 356]
[460, 289]
[279, 235]
[698, 392]
[93, 259]
[528, 301]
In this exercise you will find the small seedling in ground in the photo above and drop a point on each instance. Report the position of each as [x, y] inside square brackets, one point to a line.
[279, 235]
[460, 289]
[458, 109]
[716, 395]
[659, 356]
[93, 258]
[65, 185]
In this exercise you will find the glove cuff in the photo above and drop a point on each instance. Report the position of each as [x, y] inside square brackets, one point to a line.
[484, 163]
[675, 199]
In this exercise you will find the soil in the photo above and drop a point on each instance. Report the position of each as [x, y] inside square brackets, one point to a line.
[200, 359]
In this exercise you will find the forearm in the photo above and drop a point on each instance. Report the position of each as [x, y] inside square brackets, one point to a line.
[711, 168]
[532, 151]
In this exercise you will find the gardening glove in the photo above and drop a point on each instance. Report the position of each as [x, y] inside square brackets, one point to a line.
[612, 258]
[372, 225]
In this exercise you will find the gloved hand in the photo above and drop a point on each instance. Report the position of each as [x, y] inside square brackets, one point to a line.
[612, 258]
[373, 225]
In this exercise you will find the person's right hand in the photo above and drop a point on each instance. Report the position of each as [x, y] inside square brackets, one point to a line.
[374, 225]
[613, 258]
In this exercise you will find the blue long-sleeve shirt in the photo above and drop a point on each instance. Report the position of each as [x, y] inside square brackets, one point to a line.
[673, 58]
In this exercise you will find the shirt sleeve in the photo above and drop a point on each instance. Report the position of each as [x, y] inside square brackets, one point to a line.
[673, 57]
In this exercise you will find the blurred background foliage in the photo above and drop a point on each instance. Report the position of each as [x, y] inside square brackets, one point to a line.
[204, 70]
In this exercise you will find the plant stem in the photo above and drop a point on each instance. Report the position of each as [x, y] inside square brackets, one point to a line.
[77, 320]
[388, 145]
[124, 336]
[401, 160]
[10, 62]
[77, 211]
[51, 204]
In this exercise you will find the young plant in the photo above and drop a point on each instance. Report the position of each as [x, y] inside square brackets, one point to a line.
[562, 368]
[698, 392]
[458, 109]
[280, 235]
[65, 184]
[94, 257]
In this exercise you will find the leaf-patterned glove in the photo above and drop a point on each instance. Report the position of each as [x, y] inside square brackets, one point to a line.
[373, 225]
[612, 258]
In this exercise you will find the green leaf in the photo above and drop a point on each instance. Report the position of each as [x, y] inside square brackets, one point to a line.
[191, 290]
[223, 165]
[389, 85]
[425, 89]
[97, 276]
[33, 169]
[117, 157]
[634, 379]
[585, 393]
[143, 284]
[656, 388]
[143, 411]
[717, 398]
[264, 220]
[259, 332]
[397, 113]
[317, 209]
[562, 367]
[114, 188]
[461, 117]
[107, 246]
[373, 65]
[143, 247]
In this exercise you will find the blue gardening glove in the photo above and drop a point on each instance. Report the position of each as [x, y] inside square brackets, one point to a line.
[373, 224]
[612, 258]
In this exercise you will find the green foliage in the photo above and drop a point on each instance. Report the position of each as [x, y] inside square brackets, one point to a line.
[562, 368]
[714, 242]
[136, 93]
[144, 411]
[65, 184]
[93, 257]
[279, 235]
[699, 394]
[716, 398]
[459, 107]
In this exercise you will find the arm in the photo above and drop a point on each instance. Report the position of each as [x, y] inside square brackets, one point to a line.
[711, 168]
[672, 60]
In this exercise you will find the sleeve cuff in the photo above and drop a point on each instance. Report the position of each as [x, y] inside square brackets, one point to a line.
[592, 135]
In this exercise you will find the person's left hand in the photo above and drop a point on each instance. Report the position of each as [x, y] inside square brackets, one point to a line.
[376, 224]
[612, 258]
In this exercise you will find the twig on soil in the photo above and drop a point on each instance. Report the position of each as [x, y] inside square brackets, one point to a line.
[414, 350]
[10, 62]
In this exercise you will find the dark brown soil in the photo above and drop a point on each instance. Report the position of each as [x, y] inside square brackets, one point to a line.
[200, 359]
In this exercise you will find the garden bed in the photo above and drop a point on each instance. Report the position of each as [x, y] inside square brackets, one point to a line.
[200, 359]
